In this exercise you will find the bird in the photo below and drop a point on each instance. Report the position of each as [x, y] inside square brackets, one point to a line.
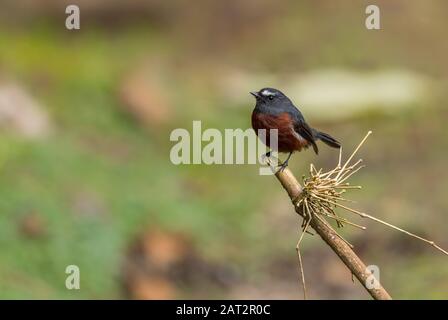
[274, 110]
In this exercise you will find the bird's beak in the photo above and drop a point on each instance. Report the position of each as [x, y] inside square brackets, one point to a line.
[255, 94]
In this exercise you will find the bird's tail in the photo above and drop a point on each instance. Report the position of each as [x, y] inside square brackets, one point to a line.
[327, 139]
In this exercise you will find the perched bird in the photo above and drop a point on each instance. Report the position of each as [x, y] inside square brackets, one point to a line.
[274, 110]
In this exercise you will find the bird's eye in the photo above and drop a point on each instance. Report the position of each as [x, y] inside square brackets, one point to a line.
[271, 97]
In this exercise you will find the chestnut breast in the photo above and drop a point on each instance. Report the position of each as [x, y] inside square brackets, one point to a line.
[288, 139]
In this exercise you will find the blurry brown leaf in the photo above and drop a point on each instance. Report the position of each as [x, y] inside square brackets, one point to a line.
[143, 287]
[164, 249]
[143, 97]
[32, 226]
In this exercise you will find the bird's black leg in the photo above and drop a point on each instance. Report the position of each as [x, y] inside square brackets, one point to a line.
[285, 163]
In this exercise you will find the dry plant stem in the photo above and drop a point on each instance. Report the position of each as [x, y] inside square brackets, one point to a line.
[306, 224]
[302, 274]
[330, 236]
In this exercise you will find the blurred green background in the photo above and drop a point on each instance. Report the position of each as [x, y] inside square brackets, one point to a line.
[85, 119]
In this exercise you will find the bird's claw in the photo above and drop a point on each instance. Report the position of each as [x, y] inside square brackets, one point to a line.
[283, 166]
[265, 156]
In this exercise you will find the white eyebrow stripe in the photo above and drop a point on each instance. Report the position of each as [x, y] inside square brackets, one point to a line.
[267, 93]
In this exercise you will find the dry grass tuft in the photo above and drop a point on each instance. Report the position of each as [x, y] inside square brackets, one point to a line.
[324, 192]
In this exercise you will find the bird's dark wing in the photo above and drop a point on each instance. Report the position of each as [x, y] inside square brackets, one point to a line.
[302, 128]
[300, 125]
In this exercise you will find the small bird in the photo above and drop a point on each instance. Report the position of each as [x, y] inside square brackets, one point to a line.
[274, 110]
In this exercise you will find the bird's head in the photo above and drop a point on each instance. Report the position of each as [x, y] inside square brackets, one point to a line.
[270, 97]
